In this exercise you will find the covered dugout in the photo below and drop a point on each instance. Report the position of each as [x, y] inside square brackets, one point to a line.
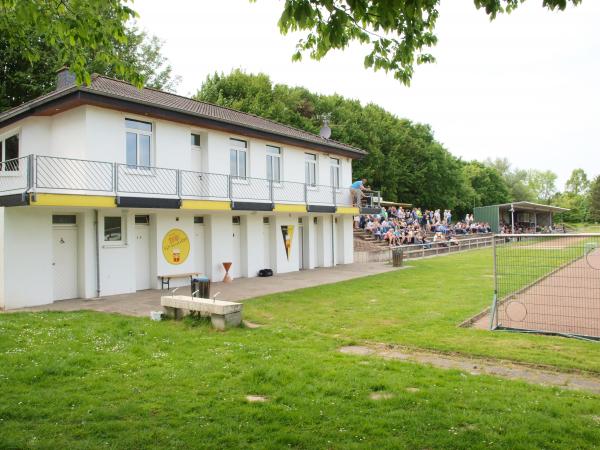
[525, 215]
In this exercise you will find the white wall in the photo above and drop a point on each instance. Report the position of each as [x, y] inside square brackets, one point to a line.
[27, 257]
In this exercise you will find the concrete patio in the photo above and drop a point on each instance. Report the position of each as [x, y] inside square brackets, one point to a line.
[142, 302]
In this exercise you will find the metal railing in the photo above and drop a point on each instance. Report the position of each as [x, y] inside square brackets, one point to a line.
[49, 173]
[73, 174]
[14, 175]
[146, 180]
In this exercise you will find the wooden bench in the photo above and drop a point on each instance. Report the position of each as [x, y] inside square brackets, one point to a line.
[222, 314]
[165, 280]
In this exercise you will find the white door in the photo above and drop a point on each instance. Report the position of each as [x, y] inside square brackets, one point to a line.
[199, 248]
[236, 269]
[266, 246]
[64, 249]
[300, 247]
[142, 257]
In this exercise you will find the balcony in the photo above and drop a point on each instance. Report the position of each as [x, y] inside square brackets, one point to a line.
[137, 186]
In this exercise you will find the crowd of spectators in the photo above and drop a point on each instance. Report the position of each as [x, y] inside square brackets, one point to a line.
[524, 228]
[399, 226]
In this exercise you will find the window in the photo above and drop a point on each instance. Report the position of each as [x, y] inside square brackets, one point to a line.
[64, 219]
[335, 172]
[9, 152]
[142, 220]
[315, 220]
[266, 220]
[196, 141]
[274, 163]
[138, 142]
[236, 220]
[199, 219]
[300, 220]
[237, 158]
[310, 169]
[112, 228]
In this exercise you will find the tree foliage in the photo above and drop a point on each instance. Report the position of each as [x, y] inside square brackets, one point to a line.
[398, 33]
[404, 161]
[38, 37]
[594, 199]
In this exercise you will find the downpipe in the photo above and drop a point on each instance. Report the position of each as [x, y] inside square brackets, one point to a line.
[97, 232]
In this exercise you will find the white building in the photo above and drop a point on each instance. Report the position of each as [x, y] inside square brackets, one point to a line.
[104, 188]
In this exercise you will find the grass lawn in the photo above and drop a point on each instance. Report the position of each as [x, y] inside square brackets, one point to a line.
[89, 380]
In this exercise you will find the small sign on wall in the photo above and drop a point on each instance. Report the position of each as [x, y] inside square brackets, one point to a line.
[287, 232]
[176, 246]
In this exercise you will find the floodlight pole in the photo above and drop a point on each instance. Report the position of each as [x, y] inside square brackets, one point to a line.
[512, 219]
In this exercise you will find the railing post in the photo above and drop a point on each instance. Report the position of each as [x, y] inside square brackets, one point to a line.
[271, 197]
[229, 188]
[178, 182]
[333, 190]
[30, 169]
[116, 179]
[305, 193]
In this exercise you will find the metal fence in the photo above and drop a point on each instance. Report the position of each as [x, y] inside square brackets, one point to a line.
[416, 251]
[547, 283]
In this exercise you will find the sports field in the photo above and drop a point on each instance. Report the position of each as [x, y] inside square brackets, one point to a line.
[91, 380]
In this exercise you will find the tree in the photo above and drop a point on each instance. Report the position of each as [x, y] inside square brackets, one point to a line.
[543, 183]
[488, 185]
[78, 30]
[23, 80]
[397, 33]
[595, 200]
[516, 180]
[578, 182]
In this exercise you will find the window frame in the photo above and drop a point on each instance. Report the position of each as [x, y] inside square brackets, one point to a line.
[239, 150]
[15, 132]
[139, 133]
[113, 241]
[335, 167]
[308, 163]
[272, 157]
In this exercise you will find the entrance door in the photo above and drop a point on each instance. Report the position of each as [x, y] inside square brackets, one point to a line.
[300, 246]
[142, 253]
[236, 259]
[64, 252]
[199, 248]
[266, 243]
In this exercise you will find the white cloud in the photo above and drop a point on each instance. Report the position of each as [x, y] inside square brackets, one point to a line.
[522, 87]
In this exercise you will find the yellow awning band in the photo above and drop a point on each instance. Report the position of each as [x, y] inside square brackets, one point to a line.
[93, 201]
[210, 205]
[282, 207]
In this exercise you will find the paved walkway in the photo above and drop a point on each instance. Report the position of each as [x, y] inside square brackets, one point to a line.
[142, 302]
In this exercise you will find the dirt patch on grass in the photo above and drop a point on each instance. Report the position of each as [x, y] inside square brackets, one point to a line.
[256, 398]
[381, 395]
[474, 366]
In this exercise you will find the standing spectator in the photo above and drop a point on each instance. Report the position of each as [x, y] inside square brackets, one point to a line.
[357, 189]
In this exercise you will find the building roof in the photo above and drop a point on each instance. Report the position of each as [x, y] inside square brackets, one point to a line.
[116, 89]
[530, 206]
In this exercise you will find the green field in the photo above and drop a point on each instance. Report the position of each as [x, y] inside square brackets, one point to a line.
[90, 380]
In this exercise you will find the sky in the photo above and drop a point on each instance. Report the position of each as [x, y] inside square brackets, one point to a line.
[524, 86]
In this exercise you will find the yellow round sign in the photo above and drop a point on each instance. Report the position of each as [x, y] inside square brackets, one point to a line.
[176, 246]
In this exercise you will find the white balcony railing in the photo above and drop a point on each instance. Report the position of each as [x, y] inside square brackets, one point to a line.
[52, 174]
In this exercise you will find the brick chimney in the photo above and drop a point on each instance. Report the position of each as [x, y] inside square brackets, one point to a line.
[64, 78]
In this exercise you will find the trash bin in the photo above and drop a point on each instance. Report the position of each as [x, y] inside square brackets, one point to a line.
[201, 287]
[397, 257]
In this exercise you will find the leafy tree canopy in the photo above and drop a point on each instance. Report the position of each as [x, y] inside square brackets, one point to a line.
[398, 33]
[38, 37]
